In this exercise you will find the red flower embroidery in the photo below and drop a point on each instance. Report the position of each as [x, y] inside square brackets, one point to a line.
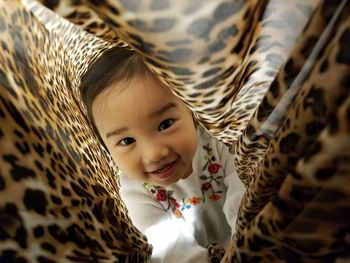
[174, 202]
[206, 186]
[161, 195]
[213, 168]
[214, 197]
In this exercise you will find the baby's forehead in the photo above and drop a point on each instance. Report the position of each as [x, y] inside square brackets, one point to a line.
[143, 84]
[138, 92]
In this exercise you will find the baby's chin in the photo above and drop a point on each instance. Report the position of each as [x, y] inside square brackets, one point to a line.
[165, 184]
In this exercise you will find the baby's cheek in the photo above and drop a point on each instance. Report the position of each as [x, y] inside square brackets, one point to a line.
[190, 145]
[118, 160]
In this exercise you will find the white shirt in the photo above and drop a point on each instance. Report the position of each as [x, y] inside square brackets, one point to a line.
[180, 220]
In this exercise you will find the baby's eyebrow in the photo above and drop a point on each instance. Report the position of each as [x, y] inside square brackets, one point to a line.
[162, 109]
[115, 132]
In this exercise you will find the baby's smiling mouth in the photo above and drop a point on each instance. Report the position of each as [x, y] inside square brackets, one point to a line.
[162, 165]
[165, 170]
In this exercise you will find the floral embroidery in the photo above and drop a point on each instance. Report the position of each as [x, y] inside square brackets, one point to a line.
[211, 182]
[213, 168]
[161, 195]
[195, 200]
[166, 196]
[214, 197]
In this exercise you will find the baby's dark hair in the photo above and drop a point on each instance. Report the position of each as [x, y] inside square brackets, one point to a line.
[117, 64]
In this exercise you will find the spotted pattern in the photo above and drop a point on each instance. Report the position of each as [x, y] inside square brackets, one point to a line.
[270, 79]
[59, 199]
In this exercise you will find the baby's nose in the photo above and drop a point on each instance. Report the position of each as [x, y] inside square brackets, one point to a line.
[155, 152]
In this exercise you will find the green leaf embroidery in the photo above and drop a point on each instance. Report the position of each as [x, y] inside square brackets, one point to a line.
[204, 177]
[205, 166]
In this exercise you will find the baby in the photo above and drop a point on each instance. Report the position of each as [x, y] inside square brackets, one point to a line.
[178, 183]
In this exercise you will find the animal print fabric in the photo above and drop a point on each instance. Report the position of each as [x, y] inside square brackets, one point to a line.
[268, 78]
[59, 198]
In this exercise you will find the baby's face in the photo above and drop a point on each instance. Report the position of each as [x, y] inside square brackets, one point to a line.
[149, 132]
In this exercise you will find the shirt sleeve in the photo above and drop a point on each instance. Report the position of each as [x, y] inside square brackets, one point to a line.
[170, 237]
[235, 187]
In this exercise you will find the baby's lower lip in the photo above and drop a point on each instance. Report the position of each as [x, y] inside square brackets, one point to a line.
[166, 171]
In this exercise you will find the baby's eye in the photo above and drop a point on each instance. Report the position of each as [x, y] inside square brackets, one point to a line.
[126, 141]
[165, 124]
